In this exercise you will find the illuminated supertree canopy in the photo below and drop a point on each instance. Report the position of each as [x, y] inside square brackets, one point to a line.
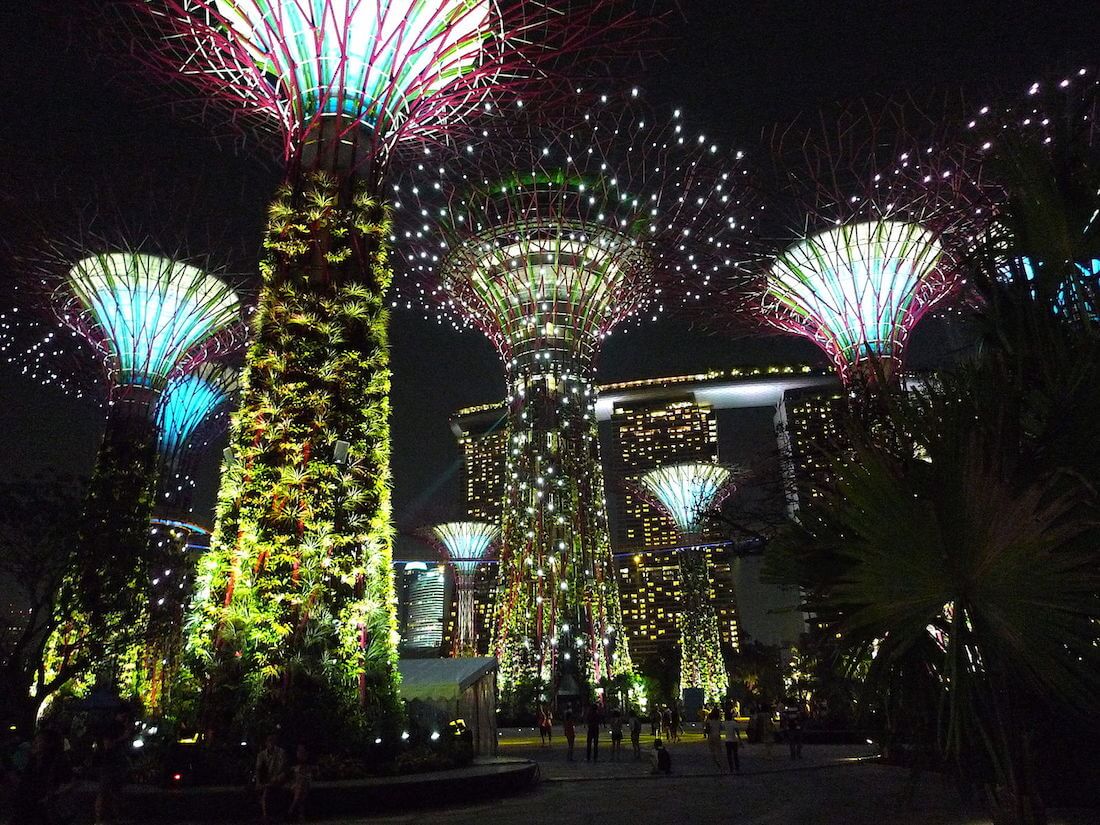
[877, 221]
[465, 545]
[346, 84]
[146, 313]
[859, 289]
[687, 492]
[547, 243]
[396, 71]
[188, 401]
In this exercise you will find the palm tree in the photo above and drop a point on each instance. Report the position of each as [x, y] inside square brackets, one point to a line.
[971, 581]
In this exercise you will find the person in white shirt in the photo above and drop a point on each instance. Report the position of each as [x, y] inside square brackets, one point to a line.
[733, 743]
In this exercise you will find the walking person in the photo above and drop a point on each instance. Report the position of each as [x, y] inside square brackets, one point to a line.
[714, 736]
[636, 734]
[655, 721]
[666, 722]
[570, 730]
[616, 734]
[733, 743]
[592, 744]
[540, 723]
[677, 721]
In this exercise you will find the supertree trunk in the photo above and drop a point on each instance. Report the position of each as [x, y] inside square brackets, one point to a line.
[701, 663]
[111, 583]
[104, 599]
[465, 637]
[558, 610]
[296, 591]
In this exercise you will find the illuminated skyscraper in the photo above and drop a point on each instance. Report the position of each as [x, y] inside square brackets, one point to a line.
[425, 589]
[807, 425]
[483, 438]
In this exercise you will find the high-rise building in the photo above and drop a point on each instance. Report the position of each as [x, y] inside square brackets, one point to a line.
[807, 424]
[483, 440]
[422, 599]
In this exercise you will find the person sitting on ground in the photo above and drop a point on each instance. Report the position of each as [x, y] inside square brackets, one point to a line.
[270, 772]
[661, 759]
[301, 778]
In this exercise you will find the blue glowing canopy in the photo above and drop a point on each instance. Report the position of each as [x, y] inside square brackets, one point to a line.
[367, 60]
[188, 400]
[147, 312]
[465, 543]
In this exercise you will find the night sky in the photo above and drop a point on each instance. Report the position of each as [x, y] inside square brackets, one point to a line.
[74, 126]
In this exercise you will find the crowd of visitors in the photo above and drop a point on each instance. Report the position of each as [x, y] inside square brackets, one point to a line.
[721, 731]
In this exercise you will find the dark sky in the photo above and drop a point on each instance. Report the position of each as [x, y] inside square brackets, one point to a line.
[72, 125]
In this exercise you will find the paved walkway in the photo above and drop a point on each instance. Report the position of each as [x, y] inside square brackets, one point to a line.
[831, 785]
[690, 757]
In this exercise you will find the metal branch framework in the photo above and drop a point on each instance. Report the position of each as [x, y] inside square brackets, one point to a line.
[546, 244]
[687, 492]
[400, 71]
[464, 545]
[879, 220]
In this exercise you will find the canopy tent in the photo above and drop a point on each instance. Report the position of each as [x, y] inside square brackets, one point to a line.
[464, 687]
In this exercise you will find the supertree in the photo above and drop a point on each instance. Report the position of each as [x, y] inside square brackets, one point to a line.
[303, 540]
[880, 220]
[546, 243]
[687, 492]
[146, 318]
[464, 545]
